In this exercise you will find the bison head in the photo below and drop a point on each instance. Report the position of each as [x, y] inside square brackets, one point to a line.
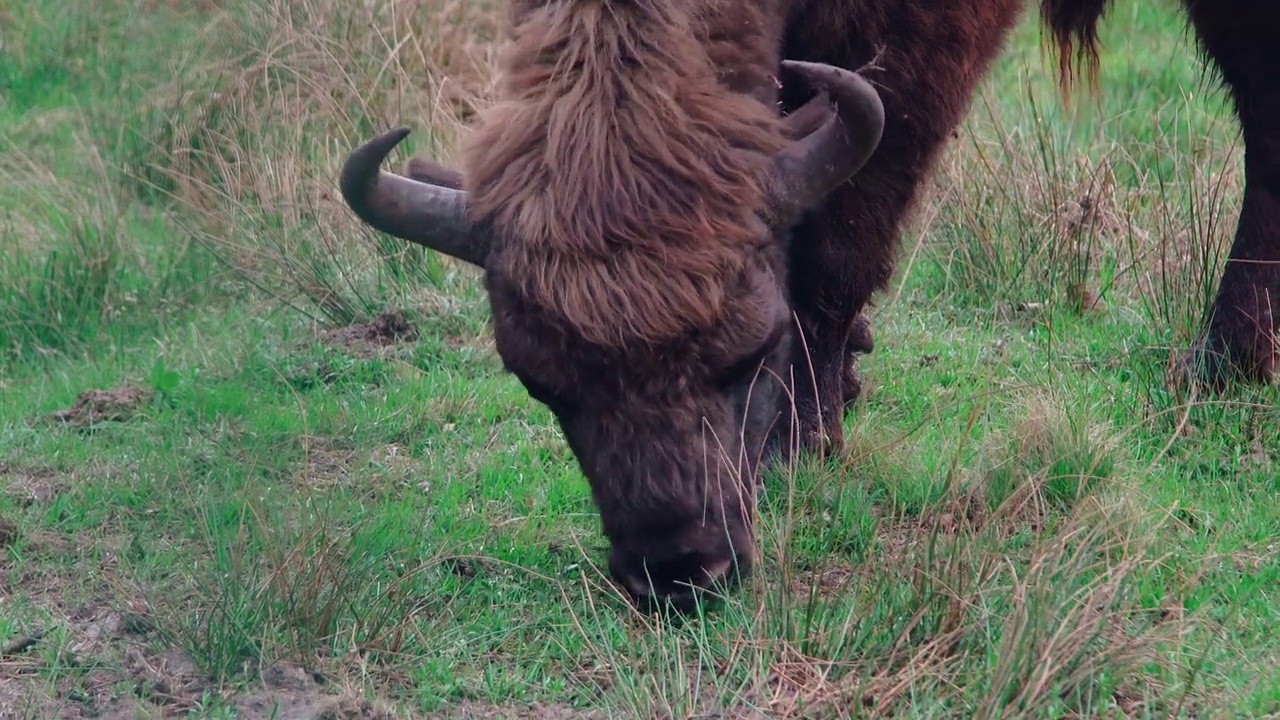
[662, 345]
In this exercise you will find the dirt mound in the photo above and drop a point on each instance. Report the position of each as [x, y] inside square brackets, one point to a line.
[385, 329]
[94, 406]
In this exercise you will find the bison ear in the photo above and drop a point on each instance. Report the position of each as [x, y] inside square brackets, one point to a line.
[845, 123]
[425, 171]
[427, 213]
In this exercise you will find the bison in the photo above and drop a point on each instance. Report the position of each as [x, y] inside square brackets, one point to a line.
[681, 208]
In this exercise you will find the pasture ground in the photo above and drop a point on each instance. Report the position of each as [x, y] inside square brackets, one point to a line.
[256, 461]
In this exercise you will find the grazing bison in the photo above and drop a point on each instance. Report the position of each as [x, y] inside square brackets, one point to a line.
[682, 206]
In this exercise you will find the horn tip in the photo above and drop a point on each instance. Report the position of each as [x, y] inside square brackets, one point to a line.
[389, 139]
[360, 171]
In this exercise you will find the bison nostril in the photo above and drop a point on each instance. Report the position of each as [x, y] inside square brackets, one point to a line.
[679, 582]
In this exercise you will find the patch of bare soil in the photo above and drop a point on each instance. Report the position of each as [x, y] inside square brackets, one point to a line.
[96, 666]
[383, 330]
[92, 651]
[470, 710]
[291, 692]
[105, 669]
[8, 531]
[102, 658]
[94, 406]
[85, 651]
[28, 485]
[327, 463]
[19, 701]
[826, 579]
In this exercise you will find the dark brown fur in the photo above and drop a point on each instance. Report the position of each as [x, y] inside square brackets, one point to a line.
[927, 55]
[1239, 339]
[634, 289]
[930, 55]
[1073, 25]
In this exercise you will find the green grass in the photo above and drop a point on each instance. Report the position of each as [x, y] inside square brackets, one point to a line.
[1028, 522]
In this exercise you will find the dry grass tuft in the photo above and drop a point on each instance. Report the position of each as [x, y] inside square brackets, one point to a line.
[1018, 216]
[1047, 459]
[251, 150]
[992, 617]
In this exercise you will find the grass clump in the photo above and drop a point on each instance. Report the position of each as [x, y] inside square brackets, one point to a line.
[250, 154]
[1048, 457]
[985, 618]
[78, 267]
[318, 583]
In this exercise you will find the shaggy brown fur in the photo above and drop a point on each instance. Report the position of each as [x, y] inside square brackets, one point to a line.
[618, 159]
[1073, 25]
[636, 292]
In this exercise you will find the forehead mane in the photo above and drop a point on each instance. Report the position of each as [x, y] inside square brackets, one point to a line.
[618, 172]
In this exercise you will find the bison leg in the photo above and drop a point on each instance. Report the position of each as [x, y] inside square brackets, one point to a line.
[1239, 340]
[838, 260]
[927, 57]
[861, 342]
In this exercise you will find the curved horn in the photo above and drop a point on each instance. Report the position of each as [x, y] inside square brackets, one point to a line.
[806, 172]
[429, 215]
